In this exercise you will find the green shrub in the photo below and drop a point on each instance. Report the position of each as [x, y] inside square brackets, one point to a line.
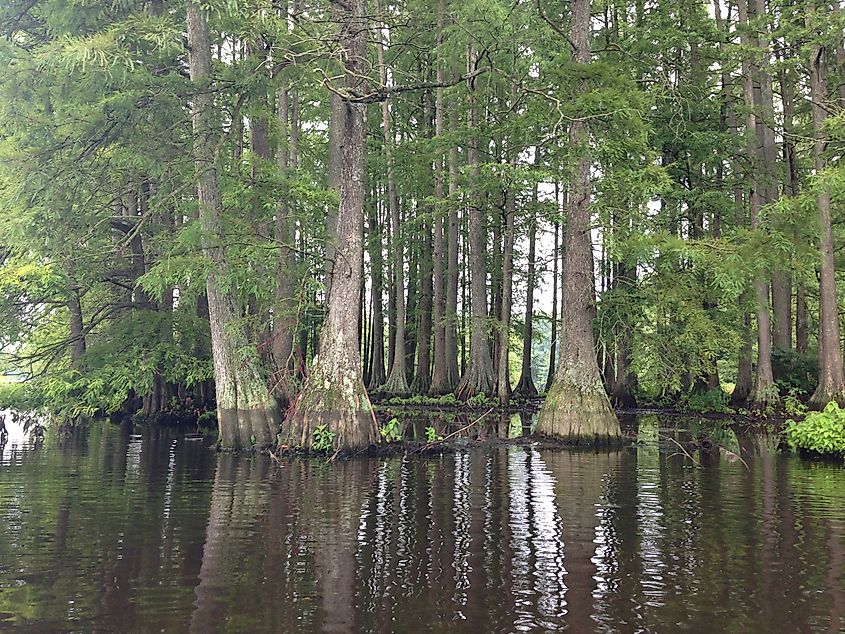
[390, 431]
[479, 400]
[431, 434]
[794, 370]
[793, 403]
[822, 432]
[323, 439]
[716, 400]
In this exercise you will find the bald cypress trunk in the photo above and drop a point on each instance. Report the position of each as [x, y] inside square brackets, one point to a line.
[764, 391]
[526, 386]
[77, 327]
[440, 372]
[377, 373]
[555, 277]
[831, 385]
[451, 316]
[422, 375]
[247, 414]
[503, 382]
[334, 394]
[478, 377]
[397, 382]
[577, 407]
[285, 309]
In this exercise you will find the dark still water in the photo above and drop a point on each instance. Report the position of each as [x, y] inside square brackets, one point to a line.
[115, 531]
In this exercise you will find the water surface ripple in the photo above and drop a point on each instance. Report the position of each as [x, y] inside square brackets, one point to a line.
[113, 530]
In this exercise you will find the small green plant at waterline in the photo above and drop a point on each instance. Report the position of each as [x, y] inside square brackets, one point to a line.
[390, 431]
[479, 400]
[822, 432]
[323, 439]
[431, 434]
[793, 405]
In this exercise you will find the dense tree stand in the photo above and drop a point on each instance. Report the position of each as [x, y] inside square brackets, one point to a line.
[334, 395]
[577, 408]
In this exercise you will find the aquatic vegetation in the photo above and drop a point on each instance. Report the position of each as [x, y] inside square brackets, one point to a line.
[822, 432]
[391, 431]
[323, 439]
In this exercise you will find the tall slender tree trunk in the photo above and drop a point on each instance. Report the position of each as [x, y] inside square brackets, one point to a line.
[503, 381]
[397, 382]
[246, 412]
[831, 385]
[802, 318]
[334, 394]
[440, 371]
[781, 279]
[412, 310]
[422, 375]
[555, 277]
[478, 377]
[764, 391]
[577, 407]
[77, 326]
[745, 379]
[453, 235]
[377, 374]
[526, 386]
[285, 309]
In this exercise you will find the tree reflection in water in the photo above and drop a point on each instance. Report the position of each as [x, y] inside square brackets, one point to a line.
[121, 530]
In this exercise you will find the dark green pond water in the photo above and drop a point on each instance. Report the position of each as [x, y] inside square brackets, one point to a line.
[109, 530]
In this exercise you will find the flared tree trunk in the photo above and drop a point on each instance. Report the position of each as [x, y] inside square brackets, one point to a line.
[451, 317]
[553, 337]
[478, 377]
[831, 385]
[334, 395]
[285, 309]
[764, 391]
[397, 382]
[440, 370]
[526, 386]
[422, 375]
[377, 374]
[247, 415]
[503, 381]
[577, 407]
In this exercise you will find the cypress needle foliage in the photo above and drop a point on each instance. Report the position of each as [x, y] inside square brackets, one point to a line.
[711, 209]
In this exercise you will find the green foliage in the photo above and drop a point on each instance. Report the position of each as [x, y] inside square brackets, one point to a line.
[793, 403]
[795, 371]
[391, 431]
[480, 400]
[431, 434]
[447, 400]
[716, 400]
[323, 440]
[822, 432]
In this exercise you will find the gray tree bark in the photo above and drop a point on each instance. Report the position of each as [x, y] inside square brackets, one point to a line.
[247, 415]
[831, 385]
[478, 377]
[577, 407]
[333, 394]
[764, 391]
